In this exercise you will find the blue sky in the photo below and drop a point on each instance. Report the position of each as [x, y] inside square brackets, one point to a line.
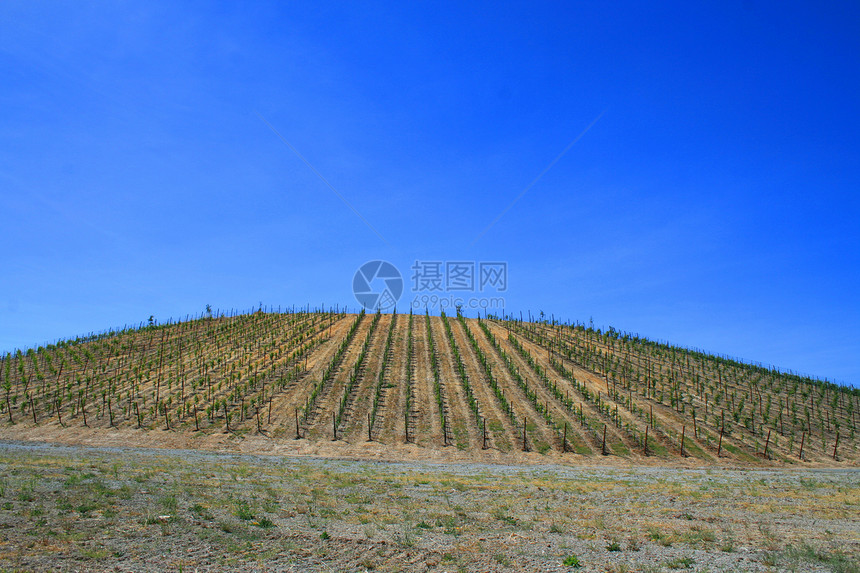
[714, 203]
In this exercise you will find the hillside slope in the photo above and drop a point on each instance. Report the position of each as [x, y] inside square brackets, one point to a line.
[433, 382]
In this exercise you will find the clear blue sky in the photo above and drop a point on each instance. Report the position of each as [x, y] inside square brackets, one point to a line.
[715, 203]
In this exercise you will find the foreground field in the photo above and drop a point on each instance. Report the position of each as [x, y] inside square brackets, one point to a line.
[135, 509]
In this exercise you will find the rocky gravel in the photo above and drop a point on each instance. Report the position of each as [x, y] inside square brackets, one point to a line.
[83, 508]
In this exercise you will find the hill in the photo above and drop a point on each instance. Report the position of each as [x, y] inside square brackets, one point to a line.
[430, 383]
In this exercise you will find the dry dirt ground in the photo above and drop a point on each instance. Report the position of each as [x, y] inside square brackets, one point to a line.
[113, 501]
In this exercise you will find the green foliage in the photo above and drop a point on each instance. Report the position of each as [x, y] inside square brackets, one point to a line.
[244, 512]
[680, 563]
[265, 523]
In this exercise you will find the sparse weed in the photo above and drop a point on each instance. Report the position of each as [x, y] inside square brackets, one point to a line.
[244, 512]
[94, 554]
[169, 504]
[795, 557]
[633, 543]
[680, 563]
[265, 523]
[201, 511]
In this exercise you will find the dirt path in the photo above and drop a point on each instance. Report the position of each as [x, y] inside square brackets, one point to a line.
[354, 425]
[464, 427]
[285, 402]
[559, 413]
[664, 416]
[540, 435]
[391, 417]
[592, 435]
[428, 425]
[738, 442]
[504, 434]
[617, 441]
[319, 423]
[580, 439]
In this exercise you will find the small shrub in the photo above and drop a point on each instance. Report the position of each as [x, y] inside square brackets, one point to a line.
[680, 563]
[201, 511]
[571, 561]
[244, 512]
[85, 508]
[633, 543]
[168, 502]
[227, 527]
[324, 535]
[613, 546]
[94, 554]
[500, 513]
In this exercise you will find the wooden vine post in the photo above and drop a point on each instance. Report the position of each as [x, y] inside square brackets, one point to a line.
[720, 444]
[683, 433]
[564, 439]
[484, 446]
[646, 440]
[525, 443]
[802, 439]
[766, 443]
[603, 446]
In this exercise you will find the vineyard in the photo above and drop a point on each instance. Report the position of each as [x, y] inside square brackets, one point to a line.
[432, 382]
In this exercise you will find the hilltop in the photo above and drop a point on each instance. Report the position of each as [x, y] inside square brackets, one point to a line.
[438, 387]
